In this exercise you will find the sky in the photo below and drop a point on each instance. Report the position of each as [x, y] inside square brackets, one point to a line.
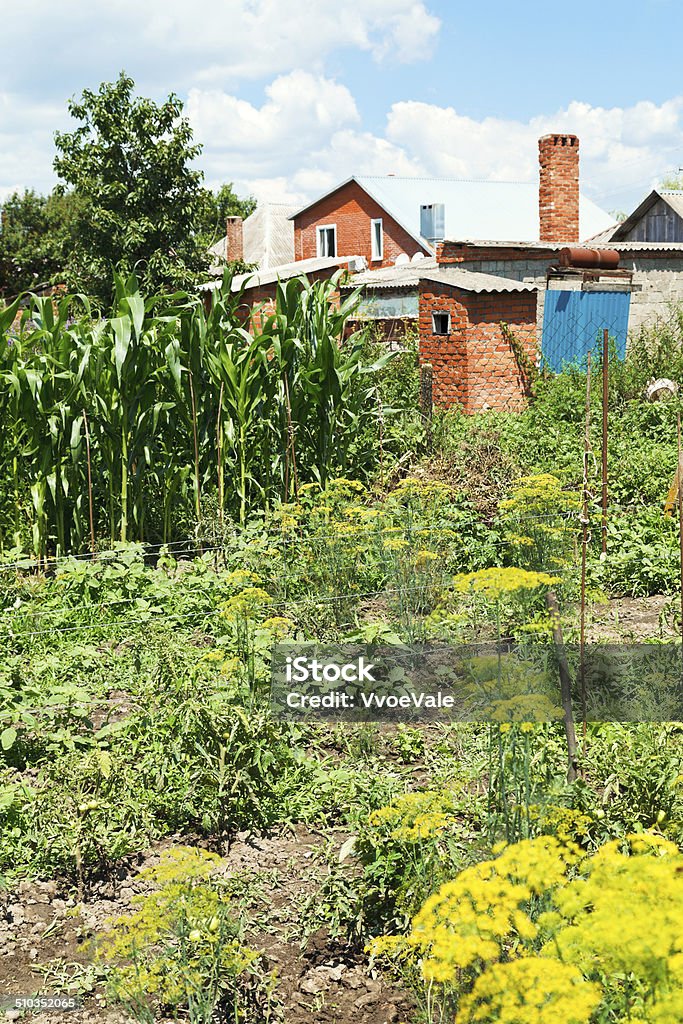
[288, 98]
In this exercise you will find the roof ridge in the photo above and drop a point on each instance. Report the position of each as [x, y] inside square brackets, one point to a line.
[428, 177]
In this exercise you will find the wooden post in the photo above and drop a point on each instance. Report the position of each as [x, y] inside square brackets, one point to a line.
[680, 524]
[605, 397]
[584, 548]
[565, 684]
[90, 502]
[426, 397]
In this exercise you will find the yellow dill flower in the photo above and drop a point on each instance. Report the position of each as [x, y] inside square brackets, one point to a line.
[495, 582]
[531, 990]
[279, 624]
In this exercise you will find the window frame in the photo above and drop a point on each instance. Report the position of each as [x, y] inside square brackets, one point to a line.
[376, 255]
[319, 228]
[435, 314]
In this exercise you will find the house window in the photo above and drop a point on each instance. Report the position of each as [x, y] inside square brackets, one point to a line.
[441, 323]
[377, 239]
[326, 235]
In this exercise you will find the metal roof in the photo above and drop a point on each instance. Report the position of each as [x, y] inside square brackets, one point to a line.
[406, 275]
[268, 237]
[257, 278]
[499, 209]
[492, 243]
[472, 281]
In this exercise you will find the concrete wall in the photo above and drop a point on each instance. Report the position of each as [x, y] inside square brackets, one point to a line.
[657, 276]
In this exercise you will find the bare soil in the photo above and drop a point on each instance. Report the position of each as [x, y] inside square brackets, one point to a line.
[43, 928]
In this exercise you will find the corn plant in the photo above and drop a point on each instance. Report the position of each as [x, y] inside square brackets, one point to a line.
[177, 402]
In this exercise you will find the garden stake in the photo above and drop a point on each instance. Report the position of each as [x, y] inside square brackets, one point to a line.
[584, 548]
[605, 395]
[219, 445]
[87, 451]
[290, 432]
[680, 524]
[196, 450]
[565, 684]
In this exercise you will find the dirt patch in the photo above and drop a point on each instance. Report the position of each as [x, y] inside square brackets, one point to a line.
[629, 619]
[46, 935]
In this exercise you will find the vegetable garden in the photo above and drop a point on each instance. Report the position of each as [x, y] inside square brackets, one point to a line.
[179, 493]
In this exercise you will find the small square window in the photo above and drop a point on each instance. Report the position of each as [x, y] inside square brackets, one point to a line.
[441, 323]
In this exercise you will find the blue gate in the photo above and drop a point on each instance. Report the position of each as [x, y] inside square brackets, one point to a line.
[573, 324]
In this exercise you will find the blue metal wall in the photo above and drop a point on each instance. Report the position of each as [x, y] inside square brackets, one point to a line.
[573, 324]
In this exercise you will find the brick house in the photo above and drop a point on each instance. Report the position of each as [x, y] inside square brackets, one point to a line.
[393, 220]
[478, 332]
[486, 308]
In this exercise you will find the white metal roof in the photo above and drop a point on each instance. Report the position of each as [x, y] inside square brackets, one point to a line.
[268, 235]
[473, 209]
[472, 281]
[286, 271]
[406, 275]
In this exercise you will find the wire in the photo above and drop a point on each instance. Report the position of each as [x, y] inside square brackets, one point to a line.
[114, 555]
[281, 604]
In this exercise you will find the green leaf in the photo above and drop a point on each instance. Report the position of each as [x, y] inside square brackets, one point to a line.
[8, 737]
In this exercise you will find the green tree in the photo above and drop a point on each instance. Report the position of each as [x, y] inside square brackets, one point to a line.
[139, 201]
[672, 181]
[36, 231]
[219, 206]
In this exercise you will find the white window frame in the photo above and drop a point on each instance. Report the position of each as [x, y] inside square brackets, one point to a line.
[318, 238]
[441, 312]
[377, 253]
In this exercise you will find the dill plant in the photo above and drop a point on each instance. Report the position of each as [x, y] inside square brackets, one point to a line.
[179, 950]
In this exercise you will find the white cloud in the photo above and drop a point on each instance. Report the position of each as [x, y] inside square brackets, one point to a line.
[302, 112]
[624, 151]
[250, 39]
[216, 42]
[305, 138]
[26, 143]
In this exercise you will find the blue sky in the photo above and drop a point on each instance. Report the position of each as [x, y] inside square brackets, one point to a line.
[289, 98]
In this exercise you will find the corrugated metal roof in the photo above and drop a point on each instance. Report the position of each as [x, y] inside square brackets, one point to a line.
[472, 281]
[268, 238]
[499, 209]
[405, 276]
[284, 272]
[674, 198]
[493, 243]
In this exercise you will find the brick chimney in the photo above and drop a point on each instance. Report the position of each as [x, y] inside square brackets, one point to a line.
[234, 238]
[558, 192]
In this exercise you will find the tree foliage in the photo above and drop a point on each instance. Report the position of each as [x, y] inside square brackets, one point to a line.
[140, 202]
[220, 205]
[36, 231]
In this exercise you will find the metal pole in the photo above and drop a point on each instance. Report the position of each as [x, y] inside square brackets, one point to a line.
[605, 395]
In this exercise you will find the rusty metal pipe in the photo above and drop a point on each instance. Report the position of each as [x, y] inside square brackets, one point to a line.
[588, 259]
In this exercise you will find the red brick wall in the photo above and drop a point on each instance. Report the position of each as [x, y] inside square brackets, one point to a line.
[235, 238]
[558, 190]
[352, 210]
[467, 252]
[476, 366]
